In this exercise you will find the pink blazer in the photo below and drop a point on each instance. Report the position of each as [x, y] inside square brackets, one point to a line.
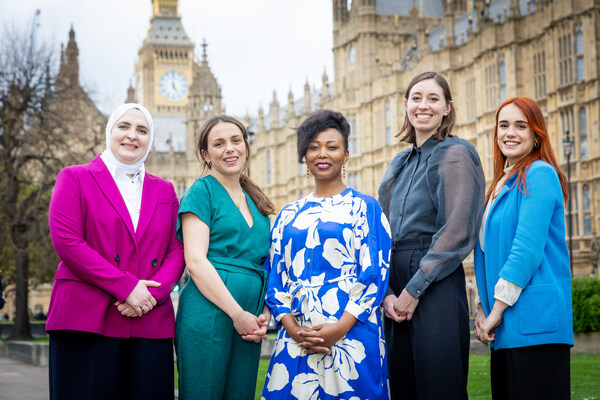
[102, 257]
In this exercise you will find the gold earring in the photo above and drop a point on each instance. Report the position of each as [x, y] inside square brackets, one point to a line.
[209, 164]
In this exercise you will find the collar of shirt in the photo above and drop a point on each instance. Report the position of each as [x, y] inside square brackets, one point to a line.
[120, 175]
[130, 189]
[426, 148]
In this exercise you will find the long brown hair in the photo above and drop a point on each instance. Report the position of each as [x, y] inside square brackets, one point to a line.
[542, 150]
[264, 205]
[407, 132]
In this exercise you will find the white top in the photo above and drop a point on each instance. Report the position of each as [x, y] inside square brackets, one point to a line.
[505, 291]
[130, 188]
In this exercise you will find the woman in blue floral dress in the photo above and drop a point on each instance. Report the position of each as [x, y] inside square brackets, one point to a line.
[328, 273]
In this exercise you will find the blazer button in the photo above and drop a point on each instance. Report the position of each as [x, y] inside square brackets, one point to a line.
[154, 262]
[117, 258]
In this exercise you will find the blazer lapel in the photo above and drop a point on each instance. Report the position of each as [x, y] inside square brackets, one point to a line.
[149, 202]
[505, 188]
[106, 182]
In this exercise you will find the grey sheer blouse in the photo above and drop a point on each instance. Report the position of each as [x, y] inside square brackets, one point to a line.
[435, 191]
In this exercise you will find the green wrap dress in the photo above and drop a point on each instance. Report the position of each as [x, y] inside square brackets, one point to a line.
[214, 362]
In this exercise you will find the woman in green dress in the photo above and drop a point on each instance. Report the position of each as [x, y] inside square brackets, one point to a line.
[224, 225]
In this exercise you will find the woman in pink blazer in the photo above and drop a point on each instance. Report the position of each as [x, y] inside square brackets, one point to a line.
[110, 319]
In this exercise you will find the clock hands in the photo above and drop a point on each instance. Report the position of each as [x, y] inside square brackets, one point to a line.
[173, 85]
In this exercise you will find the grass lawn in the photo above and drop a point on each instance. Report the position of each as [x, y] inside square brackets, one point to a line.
[585, 377]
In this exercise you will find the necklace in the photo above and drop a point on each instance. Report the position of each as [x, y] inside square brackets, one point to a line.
[239, 202]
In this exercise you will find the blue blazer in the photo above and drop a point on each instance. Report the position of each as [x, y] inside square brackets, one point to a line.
[525, 244]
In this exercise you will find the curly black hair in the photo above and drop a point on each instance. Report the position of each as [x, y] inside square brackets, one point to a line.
[317, 122]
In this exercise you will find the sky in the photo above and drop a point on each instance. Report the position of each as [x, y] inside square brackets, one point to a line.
[254, 46]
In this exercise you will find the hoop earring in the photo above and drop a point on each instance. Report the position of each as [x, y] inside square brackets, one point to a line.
[536, 144]
[344, 171]
[209, 164]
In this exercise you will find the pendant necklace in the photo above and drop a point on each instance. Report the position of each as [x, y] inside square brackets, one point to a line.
[239, 202]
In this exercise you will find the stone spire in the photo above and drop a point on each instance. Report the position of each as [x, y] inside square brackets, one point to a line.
[204, 57]
[260, 123]
[306, 108]
[247, 121]
[290, 112]
[204, 97]
[130, 94]
[449, 22]
[274, 111]
[325, 88]
[514, 9]
[69, 69]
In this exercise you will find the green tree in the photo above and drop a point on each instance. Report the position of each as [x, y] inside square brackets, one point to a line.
[36, 141]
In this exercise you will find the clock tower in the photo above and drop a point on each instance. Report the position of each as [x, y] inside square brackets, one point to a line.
[179, 91]
[164, 73]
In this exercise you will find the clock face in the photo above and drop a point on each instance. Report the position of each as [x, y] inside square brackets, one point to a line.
[352, 55]
[173, 85]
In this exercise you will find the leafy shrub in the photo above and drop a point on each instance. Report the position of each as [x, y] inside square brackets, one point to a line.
[586, 305]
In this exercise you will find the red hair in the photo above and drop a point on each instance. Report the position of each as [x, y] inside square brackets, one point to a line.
[544, 152]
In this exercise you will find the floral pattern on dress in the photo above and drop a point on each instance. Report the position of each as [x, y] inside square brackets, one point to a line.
[329, 255]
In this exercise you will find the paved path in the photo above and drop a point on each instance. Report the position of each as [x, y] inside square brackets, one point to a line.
[22, 381]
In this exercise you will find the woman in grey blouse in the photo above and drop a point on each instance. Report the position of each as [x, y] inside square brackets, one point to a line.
[433, 195]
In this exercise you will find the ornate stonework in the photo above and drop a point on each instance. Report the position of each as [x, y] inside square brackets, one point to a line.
[488, 51]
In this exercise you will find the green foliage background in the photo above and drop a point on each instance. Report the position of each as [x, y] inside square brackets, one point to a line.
[586, 305]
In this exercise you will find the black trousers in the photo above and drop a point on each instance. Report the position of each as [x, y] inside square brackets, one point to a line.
[533, 372]
[428, 356]
[88, 366]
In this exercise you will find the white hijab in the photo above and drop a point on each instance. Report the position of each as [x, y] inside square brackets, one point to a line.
[112, 120]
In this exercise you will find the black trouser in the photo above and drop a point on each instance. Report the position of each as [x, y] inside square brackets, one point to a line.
[428, 356]
[533, 372]
[94, 367]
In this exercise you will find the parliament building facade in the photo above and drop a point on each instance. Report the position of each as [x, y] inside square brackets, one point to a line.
[488, 51]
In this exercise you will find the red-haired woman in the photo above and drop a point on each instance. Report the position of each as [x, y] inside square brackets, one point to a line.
[522, 261]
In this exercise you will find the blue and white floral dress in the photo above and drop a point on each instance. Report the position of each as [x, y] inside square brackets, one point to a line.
[329, 255]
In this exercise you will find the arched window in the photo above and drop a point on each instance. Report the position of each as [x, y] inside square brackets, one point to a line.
[582, 120]
[579, 53]
[502, 78]
[587, 215]
[388, 124]
[583, 137]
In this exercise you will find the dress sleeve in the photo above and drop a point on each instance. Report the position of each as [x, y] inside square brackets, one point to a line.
[457, 185]
[196, 200]
[373, 244]
[278, 299]
[536, 209]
